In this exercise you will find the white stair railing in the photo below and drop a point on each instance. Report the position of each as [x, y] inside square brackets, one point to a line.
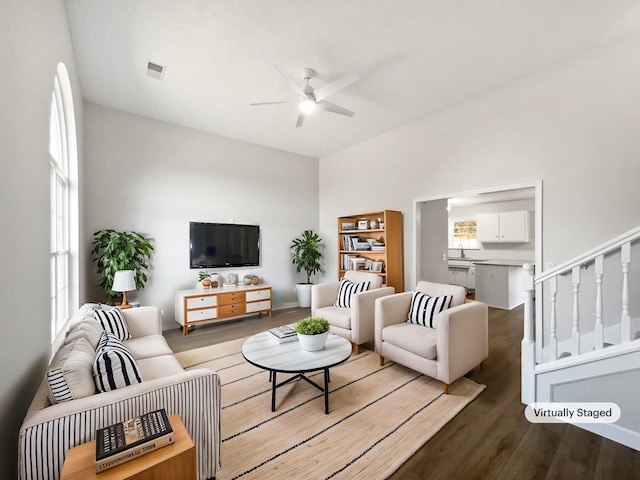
[549, 278]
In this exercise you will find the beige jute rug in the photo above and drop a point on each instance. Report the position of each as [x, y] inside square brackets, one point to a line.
[379, 417]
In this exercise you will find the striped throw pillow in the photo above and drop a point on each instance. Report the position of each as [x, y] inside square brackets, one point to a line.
[114, 366]
[425, 309]
[70, 373]
[347, 290]
[112, 321]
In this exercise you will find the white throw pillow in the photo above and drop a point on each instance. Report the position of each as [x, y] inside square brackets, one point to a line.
[70, 374]
[113, 322]
[425, 309]
[114, 366]
[347, 290]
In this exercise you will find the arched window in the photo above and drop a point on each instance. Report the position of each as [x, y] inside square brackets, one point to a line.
[64, 202]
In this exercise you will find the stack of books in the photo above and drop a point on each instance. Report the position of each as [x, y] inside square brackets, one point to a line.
[283, 334]
[124, 441]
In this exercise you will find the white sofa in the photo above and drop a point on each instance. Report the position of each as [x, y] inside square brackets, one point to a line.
[50, 430]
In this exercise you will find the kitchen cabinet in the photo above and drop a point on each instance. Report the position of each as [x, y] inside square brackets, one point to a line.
[503, 227]
[463, 276]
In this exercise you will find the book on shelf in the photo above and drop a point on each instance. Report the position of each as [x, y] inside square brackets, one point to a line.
[283, 334]
[124, 441]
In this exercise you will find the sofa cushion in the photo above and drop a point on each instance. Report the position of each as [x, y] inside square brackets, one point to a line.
[347, 289]
[88, 329]
[413, 338]
[114, 366]
[159, 367]
[424, 309]
[337, 316]
[70, 373]
[113, 322]
[148, 346]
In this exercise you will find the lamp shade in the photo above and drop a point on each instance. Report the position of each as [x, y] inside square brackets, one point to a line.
[124, 281]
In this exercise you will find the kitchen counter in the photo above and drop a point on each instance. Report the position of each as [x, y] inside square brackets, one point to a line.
[504, 263]
[499, 283]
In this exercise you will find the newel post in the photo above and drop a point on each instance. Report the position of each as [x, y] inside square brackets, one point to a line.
[528, 343]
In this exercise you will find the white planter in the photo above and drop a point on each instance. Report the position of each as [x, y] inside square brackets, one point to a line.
[303, 291]
[313, 343]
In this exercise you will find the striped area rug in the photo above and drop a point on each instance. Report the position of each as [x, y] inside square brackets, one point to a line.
[379, 417]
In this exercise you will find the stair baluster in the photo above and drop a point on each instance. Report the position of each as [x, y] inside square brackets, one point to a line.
[575, 329]
[598, 338]
[625, 320]
[553, 339]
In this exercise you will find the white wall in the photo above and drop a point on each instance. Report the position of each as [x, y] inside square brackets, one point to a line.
[575, 126]
[153, 177]
[33, 39]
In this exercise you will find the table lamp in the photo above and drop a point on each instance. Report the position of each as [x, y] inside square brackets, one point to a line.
[124, 281]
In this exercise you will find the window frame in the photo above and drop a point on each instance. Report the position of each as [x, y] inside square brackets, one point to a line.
[64, 212]
[452, 244]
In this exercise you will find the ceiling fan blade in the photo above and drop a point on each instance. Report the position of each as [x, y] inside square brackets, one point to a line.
[300, 120]
[296, 88]
[331, 88]
[333, 108]
[273, 103]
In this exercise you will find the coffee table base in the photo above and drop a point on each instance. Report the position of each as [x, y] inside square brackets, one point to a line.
[325, 390]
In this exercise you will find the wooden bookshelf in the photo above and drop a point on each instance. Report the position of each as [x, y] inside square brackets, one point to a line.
[390, 235]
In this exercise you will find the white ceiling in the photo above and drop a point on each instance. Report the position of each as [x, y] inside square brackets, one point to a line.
[413, 57]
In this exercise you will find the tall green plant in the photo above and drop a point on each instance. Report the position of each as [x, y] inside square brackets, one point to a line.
[306, 253]
[113, 251]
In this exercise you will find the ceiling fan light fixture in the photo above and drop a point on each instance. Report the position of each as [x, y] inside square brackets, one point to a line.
[307, 105]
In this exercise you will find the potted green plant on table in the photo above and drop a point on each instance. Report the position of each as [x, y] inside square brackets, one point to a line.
[306, 256]
[113, 251]
[312, 333]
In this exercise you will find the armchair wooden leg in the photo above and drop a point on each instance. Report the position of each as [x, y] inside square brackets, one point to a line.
[381, 361]
[355, 348]
[445, 388]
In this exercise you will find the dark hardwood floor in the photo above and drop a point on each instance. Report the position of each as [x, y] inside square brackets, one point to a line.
[490, 438]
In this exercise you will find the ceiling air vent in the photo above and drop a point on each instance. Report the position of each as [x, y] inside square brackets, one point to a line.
[155, 71]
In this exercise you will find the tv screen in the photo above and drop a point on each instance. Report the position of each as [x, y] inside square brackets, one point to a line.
[215, 245]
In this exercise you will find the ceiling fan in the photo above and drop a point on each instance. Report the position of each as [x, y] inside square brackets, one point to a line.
[310, 98]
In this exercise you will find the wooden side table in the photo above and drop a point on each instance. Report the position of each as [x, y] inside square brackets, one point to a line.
[177, 460]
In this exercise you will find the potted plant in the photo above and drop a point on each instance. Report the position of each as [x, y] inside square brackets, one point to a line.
[312, 333]
[250, 279]
[205, 279]
[113, 251]
[306, 256]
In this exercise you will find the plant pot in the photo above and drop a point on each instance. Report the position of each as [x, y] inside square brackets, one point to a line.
[206, 283]
[313, 343]
[303, 291]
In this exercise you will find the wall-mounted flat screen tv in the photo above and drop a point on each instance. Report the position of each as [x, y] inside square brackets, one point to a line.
[215, 245]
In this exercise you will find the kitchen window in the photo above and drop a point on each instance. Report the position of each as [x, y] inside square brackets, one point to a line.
[462, 232]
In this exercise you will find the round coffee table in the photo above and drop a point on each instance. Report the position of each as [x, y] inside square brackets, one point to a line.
[266, 353]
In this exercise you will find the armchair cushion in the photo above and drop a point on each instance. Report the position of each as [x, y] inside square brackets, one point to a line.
[412, 338]
[336, 316]
[347, 290]
[424, 309]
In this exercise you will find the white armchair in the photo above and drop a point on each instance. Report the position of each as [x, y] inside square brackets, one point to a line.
[458, 344]
[356, 324]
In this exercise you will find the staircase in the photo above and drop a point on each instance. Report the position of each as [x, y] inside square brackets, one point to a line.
[582, 335]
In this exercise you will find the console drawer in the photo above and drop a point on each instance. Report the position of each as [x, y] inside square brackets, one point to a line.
[255, 295]
[203, 314]
[202, 302]
[231, 310]
[231, 298]
[259, 306]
